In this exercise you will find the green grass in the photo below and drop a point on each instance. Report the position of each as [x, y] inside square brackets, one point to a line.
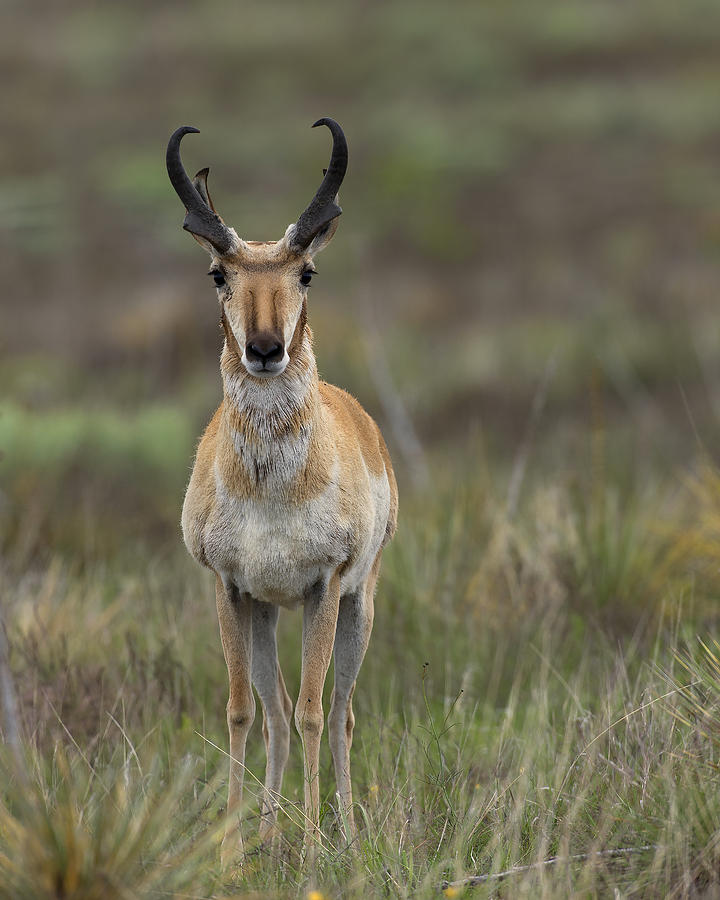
[533, 689]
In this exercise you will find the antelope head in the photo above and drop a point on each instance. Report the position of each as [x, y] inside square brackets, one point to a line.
[261, 285]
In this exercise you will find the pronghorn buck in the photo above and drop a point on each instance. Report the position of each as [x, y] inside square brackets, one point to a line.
[292, 497]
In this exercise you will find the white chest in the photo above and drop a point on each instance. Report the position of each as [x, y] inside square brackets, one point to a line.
[261, 537]
[273, 550]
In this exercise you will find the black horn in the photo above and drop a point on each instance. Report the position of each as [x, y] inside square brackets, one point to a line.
[323, 208]
[200, 219]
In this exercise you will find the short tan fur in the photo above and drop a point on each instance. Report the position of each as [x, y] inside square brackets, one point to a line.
[291, 501]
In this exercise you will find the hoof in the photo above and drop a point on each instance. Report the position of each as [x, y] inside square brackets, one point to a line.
[269, 833]
[231, 852]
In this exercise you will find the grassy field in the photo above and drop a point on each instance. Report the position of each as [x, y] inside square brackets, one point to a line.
[535, 687]
[529, 257]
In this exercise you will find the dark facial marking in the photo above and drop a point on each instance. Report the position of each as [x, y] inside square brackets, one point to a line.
[218, 277]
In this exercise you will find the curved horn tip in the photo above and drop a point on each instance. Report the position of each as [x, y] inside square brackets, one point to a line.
[324, 121]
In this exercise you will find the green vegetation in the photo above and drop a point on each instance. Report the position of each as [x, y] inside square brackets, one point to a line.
[531, 222]
[534, 688]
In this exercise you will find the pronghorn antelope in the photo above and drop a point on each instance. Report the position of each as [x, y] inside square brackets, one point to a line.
[292, 497]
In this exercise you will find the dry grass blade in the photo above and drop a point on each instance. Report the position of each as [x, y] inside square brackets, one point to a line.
[612, 725]
[472, 880]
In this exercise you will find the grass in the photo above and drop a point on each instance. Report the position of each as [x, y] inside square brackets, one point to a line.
[533, 690]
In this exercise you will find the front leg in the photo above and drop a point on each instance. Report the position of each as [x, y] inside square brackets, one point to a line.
[276, 705]
[319, 622]
[235, 617]
[355, 621]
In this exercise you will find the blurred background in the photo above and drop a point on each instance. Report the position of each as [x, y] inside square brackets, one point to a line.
[532, 221]
[523, 291]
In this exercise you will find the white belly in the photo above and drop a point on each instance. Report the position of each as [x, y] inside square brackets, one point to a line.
[277, 552]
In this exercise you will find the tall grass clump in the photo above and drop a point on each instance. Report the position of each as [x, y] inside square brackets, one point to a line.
[70, 830]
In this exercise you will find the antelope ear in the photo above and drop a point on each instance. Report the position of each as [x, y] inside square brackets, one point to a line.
[200, 185]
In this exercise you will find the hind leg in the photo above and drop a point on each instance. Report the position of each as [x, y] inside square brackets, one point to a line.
[319, 619]
[355, 621]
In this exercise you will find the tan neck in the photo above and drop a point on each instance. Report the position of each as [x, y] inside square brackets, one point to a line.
[272, 404]
[269, 426]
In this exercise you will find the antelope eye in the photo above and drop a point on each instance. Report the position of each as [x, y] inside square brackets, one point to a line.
[306, 277]
[218, 278]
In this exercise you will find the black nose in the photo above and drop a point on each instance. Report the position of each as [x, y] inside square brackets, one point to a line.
[264, 351]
